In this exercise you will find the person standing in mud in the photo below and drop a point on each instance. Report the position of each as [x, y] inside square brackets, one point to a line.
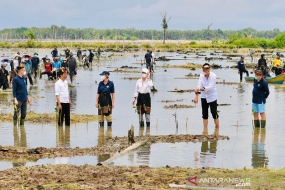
[142, 95]
[54, 53]
[260, 93]
[67, 53]
[241, 68]
[55, 68]
[19, 58]
[147, 59]
[28, 64]
[207, 88]
[20, 94]
[72, 65]
[105, 99]
[62, 98]
[35, 64]
[4, 77]
[91, 56]
[79, 54]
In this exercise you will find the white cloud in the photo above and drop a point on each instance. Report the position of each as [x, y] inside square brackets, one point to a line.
[186, 14]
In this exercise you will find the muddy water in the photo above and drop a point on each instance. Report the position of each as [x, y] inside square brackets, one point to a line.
[246, 147]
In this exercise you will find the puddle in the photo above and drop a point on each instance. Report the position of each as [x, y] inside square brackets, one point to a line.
[76, 160]
[238, 152]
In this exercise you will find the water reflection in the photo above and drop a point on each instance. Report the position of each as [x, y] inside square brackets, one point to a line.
[63, 136]
[259, 158]
[143, 152]
[73, 97]
[20, 140]
[101, 142]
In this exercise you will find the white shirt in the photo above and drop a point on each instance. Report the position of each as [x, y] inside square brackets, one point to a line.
[210, 92]
[61, 89]
[143, 87]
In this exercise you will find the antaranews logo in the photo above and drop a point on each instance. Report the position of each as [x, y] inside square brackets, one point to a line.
[240, 182]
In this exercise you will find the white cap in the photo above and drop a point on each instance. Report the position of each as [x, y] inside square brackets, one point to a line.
[145, 70]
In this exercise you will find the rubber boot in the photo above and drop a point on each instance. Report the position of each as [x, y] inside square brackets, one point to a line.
[22, 121]
[256, 123]
[15, 121]
[109, 124]
[101, 124]
[142, 124]
[148, 124]
[263, 123]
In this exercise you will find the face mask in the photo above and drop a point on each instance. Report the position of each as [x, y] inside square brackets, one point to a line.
[144, 75]
[103, 77]
[24, 73]
[204, 73]
[36, 56]
[27, 59]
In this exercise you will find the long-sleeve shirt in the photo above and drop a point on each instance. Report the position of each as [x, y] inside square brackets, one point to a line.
[29, 66]
[209, 85]
[72, 64]
[61, 90]
[143, 87]
[260, 91]
[57, 65]
[20, 89]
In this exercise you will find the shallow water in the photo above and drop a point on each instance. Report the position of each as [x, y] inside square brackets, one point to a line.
[245, 148]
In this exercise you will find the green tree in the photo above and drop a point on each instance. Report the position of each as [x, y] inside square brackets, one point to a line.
[164, 24]
[31, 35]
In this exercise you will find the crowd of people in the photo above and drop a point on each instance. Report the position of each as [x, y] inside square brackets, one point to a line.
[277, 67]
[105, 98]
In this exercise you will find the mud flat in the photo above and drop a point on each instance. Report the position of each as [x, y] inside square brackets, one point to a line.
[111, 145]
[142, 177]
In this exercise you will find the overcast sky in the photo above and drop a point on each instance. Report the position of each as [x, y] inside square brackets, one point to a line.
[144, 14]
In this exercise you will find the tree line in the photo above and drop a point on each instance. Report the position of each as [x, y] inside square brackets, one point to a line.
[62, 33]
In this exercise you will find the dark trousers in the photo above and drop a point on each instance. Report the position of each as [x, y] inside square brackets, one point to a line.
[148, 65]
[35, 71]
[22, 106]
[71, 73]
[30, 79]
[205, 107]
[45, 73]
[241, 73]
[64, 113]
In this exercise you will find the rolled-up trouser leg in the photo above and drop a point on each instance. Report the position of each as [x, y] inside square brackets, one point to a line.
[147, 118]
[141, 122]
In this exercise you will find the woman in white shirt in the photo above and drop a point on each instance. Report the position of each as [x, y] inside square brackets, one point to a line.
[142, 95]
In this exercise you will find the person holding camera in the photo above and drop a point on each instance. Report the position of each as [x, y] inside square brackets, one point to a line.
[207, 88]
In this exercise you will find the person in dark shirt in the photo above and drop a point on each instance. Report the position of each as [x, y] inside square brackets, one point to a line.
[147, 59]
[4, 77]
[105, 99]
[260, 93]
[19, 58]
[79, 54]
[241, 68]
[262, 65]
[35, 64]
[72, 65]
[91, 56]
[20, 94]
[54, 53]
[67, 53]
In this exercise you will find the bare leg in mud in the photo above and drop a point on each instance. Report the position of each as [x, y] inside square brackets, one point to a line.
[205, 123]
[217, 123]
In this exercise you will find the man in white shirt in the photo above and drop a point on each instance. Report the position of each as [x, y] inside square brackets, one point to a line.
[207, 88]
[62, 98]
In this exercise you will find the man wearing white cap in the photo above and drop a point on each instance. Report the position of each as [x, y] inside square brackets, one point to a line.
[142, 95]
